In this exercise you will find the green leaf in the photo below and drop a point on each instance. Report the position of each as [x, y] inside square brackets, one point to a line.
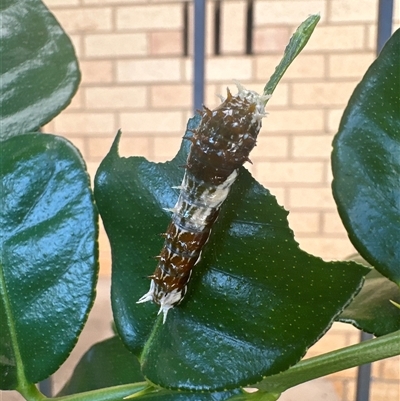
[372, 310]
[109, 363]
[295, 46]
[366, 164]
[105, 364]
[256, 302]
[39, 72]
[48, 265]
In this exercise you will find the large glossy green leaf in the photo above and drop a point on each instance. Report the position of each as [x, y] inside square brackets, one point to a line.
[48, 265]
[256, 301]
[372, 310]
[39, 73]
[366, 163]
[109, 363]
[105, 364]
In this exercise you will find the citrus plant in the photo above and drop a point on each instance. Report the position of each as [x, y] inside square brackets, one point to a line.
[256, 301]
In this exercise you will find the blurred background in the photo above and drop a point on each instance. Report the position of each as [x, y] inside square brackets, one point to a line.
[136, 58]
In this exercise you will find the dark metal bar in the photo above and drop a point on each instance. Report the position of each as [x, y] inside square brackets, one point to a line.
[385, 18]
[363, 375]
[185, 33]
[199, 53]
[217, 27]
[249, 26]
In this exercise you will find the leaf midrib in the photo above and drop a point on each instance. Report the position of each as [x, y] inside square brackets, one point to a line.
[21, 378]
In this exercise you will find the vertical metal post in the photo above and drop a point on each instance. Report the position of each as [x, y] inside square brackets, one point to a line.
[363, 375]
[385, 18]
[199, 53]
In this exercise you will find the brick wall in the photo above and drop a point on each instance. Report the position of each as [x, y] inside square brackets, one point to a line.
[135, 77]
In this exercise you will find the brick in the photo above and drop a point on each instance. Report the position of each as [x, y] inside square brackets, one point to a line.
[136, 146]
[371, 39]
[279, 193]
[349, 65]
[329, 342]
[332, 223]
[85, 123]
[339, 387]
[165, 43]
[322, 93]
[77, 44]
[171, 96]
[60, 3]
[279, 98]
[306, 66]
[350, 11]
[165, 148]
[313, 146]
[116, 45]
[270, 146]
[233, 26]
[304, 222]
[148, 17]
[326, 248]
[381, 391]
[85, 19]
[98, 147]
[295, 120]
[312, 198]
[118, 2]
[270, 39]
[48, 128]
[152, 122]
[76, 102]
[116, 97]
[265, 66]
[100, 71]
[240, 70]
[91, 169]
[228, 68]
[334, 117]
[333, 38]
[79, 143]
[290, 172]
[284, 12]
[211, 98]
[149, 70]
[391, 368]
[104, 253]
[346, 374]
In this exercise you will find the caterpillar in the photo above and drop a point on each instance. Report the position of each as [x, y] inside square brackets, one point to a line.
[219, 146]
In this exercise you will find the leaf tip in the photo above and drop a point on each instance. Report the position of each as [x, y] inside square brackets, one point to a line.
[115, 144]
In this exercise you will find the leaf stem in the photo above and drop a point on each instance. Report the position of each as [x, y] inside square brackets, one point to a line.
[106, 394]
[30, 392]
[335, 361]
[295, 46]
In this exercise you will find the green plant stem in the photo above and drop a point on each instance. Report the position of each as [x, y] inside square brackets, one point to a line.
[107, 394]
[30, 392]
[335, 361]
[309, 369]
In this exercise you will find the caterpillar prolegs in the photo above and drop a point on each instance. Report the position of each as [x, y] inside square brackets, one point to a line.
[220, 145]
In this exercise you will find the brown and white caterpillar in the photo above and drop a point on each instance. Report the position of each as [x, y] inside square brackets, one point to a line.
[220, 145]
